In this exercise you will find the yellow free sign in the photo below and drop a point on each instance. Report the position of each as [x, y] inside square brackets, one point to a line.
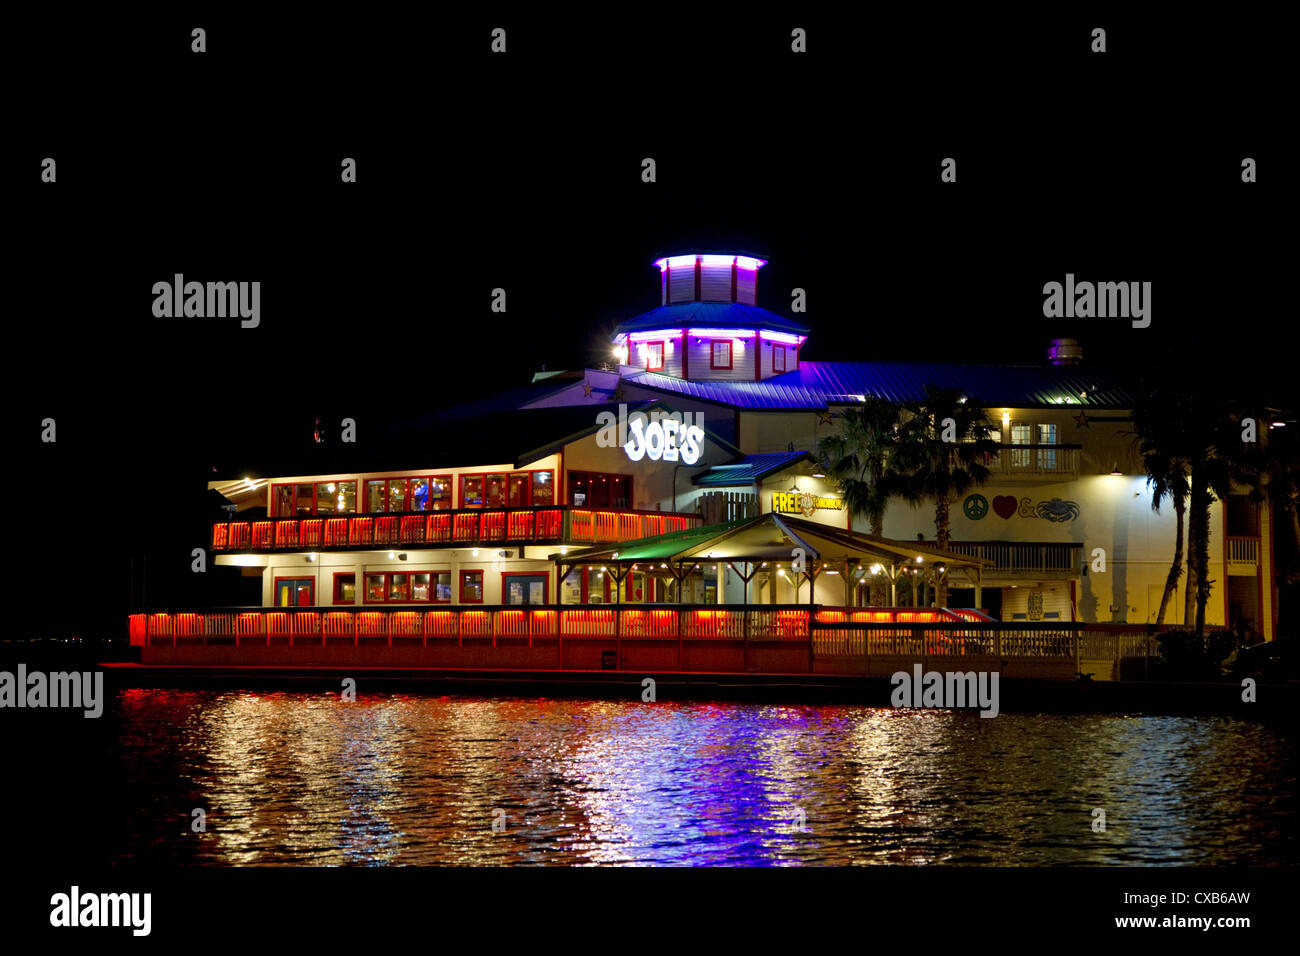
[796, 503]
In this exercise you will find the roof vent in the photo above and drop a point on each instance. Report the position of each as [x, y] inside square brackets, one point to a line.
[1065, 352]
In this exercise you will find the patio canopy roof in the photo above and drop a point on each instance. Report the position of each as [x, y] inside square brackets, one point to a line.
[771, 538]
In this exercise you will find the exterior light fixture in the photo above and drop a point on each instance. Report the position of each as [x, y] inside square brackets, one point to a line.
[1114, 470]
[919, 559]
[475, 552]
[391, 555]
[311, 557]
[401, 557]
[249, 481]
[564, 551]
[1006, 420]
[876, 569]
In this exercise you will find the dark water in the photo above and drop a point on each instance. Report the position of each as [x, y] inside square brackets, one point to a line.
[301, 778]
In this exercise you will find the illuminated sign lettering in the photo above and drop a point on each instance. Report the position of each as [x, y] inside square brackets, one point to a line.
[794, 503]
[665, 440]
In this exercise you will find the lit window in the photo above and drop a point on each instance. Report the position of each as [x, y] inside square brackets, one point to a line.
[471, 491]
[543, 488]
[336, 497]
[471, 587]
[440, 493]
[778, 358]
[720, 356]
[654, 356]
[345, 588]
[397, 494]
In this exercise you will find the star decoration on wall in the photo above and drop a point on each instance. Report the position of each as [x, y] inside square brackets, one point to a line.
[618, 392]
[824, 417]
[1081, 420]
[586, 390]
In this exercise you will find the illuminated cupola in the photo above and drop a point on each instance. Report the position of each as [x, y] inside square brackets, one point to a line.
[709, 278]
[709, 326]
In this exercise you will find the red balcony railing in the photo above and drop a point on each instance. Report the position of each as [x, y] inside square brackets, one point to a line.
[827, 632]
[557, 525]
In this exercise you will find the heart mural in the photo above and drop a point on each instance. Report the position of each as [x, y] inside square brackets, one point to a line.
[1004, 506]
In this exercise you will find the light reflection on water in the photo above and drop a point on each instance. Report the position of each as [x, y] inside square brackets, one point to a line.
[297, 778]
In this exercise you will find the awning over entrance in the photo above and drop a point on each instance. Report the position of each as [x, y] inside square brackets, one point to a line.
[771, 539]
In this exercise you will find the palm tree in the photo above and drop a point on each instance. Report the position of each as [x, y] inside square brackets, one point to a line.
[942, 447]
[858, 458]
[1160, 425]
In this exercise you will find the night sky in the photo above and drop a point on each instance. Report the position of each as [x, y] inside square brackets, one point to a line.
[523, 172]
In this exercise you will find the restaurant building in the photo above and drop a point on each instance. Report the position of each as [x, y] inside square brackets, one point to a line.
[706, 420]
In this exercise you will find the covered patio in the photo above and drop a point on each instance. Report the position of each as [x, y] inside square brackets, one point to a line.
[773, 553]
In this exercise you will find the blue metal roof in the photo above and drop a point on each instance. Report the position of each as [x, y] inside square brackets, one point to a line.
[747, 470]
[814, 385]
[709, 315]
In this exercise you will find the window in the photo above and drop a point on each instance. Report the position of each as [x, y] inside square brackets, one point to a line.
[654, 356]
[345, 588]
[720, 354]
[440, 493]
[471, 587]
[543, 489]
[518, 497]
[496, 491]
[336, 497]
[1020, 435]
[523, 588]
[442, 587]
[321, 498]
[1047, 456]
[402, 587]
[376, 495]
[594, 490]
[471, 491]
[397, 494]
[281, 501]
[294, 592]
[778, 358]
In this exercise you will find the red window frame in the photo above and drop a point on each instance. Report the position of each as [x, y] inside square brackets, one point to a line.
[275, 588]
[713, 362]
[460, 490]
[482, 584]
[333, 509]
[778, 350]
[485, 475]
[388, 577]
[591, 476]
[451, 493]
[649, 367]
[532, 490]
[336, 591]
[546, 587]
[433, 587]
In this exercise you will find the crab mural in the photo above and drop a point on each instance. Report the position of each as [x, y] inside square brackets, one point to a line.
[1058, 510]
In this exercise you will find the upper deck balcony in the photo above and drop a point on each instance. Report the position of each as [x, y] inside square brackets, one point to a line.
[1035, 461]
[468, 527]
